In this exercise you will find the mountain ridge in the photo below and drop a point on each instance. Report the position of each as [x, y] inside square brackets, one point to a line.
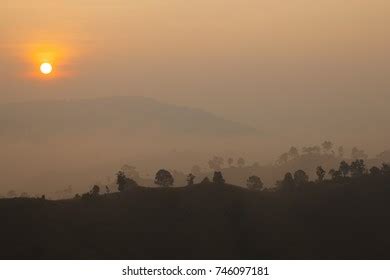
[120, 112]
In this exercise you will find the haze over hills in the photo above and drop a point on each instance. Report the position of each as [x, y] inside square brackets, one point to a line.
[126, 115]
[56, 144]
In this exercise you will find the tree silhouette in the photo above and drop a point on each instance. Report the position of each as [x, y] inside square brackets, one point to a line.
[121, 178]
[344, 168]
[190, 179]
[205, 180]
[335, 174]
[287, 184]
[254, 183]
[375, 171]
[218, 178]
[86, 196]
[300, 178]
[216, 163]
[95, 190]
[124, 183]
[164, 178]
[320, 173]
[385, 168]
[230, 161]
[358, 168]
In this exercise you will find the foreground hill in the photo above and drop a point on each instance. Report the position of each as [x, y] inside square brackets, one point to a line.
[202, 222]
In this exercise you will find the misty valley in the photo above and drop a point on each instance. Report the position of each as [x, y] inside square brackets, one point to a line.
[135, 178]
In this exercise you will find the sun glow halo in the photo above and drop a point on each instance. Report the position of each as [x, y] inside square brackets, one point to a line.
[46, 68]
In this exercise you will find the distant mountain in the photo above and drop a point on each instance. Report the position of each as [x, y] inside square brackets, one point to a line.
[127, 115]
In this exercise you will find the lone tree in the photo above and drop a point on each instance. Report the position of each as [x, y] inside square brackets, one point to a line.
[218, 178]
[124, 183]
[230, 161]
[190, 179]
[320, 173]
[95, 190]
[163, 178]
[254, 183]
[300, 178]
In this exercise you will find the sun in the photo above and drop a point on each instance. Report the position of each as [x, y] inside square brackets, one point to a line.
[46, 68]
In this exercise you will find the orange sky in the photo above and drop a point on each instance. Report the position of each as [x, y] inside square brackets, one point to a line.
[268, 61]
[153, 31]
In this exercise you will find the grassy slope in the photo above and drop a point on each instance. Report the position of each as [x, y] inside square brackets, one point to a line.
[202, 221]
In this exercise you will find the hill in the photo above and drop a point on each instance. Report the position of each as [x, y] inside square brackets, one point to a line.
[203, 222]
[125, 115]
[57, 144]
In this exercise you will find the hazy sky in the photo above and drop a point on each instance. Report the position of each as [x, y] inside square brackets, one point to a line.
[298, 66]
[300, 71]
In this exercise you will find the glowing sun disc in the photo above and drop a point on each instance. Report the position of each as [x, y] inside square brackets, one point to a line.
[46, 68]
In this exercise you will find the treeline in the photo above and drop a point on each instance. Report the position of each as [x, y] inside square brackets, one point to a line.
[238, 171]
[165, 179]
[346, 173]
[253, 175]
[326, 148]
